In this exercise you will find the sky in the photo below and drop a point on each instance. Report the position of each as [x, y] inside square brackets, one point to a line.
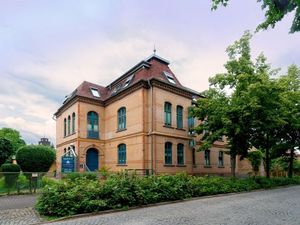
[47, 48]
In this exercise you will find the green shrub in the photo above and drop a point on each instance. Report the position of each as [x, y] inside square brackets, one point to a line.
[11, 173]
[87, 175]
[123, 190]
[35, 158]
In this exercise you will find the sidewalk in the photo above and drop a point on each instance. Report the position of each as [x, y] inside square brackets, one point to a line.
[18, 209]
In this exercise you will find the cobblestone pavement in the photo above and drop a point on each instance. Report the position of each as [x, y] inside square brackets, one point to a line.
[18, 209]
[272, 207]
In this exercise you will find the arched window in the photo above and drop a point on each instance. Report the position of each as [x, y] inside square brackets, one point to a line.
[179, 112]
[168, 153]
[65, 127]
[180, 154]
[92, 125]
[73, 123]
[168, 114]
[121, 154]
[122, 118]
[69, 125]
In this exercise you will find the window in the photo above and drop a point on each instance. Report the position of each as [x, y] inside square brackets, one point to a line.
[194, 156]
[95, 92]
[122, 154]
[122, 118]
[73, 123]
[116, 89]
[168, 114]
[168, 153]
[207, 157]
[65, 127]
[221, 158]
[191, 122]
[180, 154]
[169, 77]
[69, 125]
[128, 80]
[92, 125]
[179, 111]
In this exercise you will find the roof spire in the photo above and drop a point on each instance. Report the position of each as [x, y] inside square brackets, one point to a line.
[154, 50]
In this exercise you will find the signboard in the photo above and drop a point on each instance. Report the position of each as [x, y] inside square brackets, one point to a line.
[68, 164]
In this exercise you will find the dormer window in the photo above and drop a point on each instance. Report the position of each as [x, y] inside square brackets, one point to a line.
[95, 92]
[128, 80]
[116, 89]
[170, 77]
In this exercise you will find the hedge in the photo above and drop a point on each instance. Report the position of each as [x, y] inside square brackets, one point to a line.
[68, 196]
[35, 158]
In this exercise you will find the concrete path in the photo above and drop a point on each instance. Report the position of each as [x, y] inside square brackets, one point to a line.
[18, 209]
[272, 207]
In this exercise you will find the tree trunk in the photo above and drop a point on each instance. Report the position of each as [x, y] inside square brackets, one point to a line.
[291, 164]
[268, 163]
[233, 165]
[267, 158]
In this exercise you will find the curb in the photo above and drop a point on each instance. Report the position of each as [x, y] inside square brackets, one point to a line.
[156, 204]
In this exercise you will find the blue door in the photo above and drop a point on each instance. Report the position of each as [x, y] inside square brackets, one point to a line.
[92, 159]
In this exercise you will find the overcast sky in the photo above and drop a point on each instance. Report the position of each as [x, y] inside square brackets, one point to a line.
[47, 48]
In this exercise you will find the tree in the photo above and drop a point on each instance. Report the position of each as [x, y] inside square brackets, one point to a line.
[255, 158]
[250, 114]
[14, 136]
[276, 10]
[223, 114]
[290, 98]
[35, 158]
[6, 150]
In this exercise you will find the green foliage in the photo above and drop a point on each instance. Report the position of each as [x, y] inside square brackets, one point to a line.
[255, 158]
[68, 197]
[35, 158]
[87, 175]
[6, 149]
[14, 137]
[276, 10]
[10, 172]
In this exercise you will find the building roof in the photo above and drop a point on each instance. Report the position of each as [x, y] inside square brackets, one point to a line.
[151, 68]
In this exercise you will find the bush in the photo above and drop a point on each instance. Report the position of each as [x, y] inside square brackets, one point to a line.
[11, 173]
[74, 176]
[81, 195]
[35, 158]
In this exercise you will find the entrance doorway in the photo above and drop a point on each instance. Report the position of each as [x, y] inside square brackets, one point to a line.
[92, 159]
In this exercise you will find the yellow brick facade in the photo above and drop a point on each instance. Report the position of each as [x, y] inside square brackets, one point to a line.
[145, 134]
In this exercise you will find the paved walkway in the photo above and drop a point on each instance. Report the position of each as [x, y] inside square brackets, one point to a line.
[18, 209]
[272, 207]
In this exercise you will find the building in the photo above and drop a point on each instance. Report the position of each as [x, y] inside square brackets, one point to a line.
[139, 121]
[45, 141]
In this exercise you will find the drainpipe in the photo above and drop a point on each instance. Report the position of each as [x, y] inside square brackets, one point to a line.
[151, 131]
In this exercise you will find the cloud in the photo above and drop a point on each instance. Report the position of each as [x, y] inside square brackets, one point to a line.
[48, 49]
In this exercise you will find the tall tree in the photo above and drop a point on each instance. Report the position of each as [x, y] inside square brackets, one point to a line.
[276, 10]
[290, 98]
[223, 114]
[14, 136]
[6, 150]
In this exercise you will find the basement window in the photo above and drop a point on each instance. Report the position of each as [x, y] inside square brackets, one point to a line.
[95, 92]
[128, 80]
[170, 77]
